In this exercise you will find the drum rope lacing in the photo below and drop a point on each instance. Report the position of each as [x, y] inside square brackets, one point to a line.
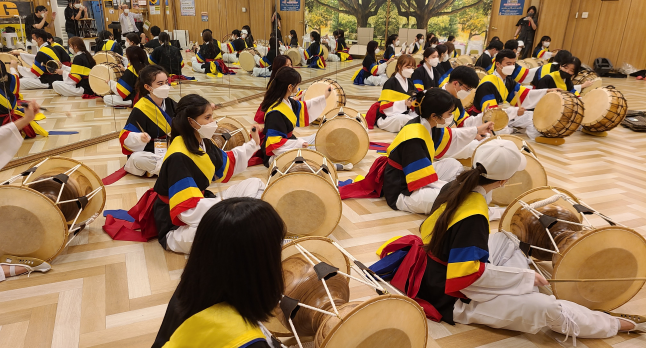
[300, 160]
[370, 279]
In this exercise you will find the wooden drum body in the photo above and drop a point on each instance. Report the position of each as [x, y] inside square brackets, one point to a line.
[391, 68]
[558, 114]
[107, 57]
[230, 134]
[295, 55]
[308, 202]
[498, 116]
[318, 88]
[584, 76]
[465, 60]
[605, 108]
[481, 72]
[247, 60]
[6, 58]
[101, 74]
[343, 139]
[597, 253]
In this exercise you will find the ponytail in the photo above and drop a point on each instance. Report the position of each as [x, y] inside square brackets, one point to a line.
[463, 185]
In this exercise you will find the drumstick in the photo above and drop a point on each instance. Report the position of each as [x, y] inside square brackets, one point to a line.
[595, 280]
[25, 104]
[139, 126]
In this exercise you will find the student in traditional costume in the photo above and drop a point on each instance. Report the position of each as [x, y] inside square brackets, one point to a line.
[143, 139]
[342, 48]
[429, 38]
[473, 277]
[154, 42]
[461, 82]
[562, 79]
[313, 55]
[190, 165]
[264, 64]
[417, 46]
[500, 87]
[442, 51]
[75, 79]
[10, 142]
[233, 48]
[451, 40]
[132, 39]
[331, 44]
[521, 74]
[225, 308]
[293, 38]
[560, 57]
[105, 42]
[418, 159]
[125, 92]
[208, 59]
[10, 110]
[279, 62]
[248, 38]
[486, 60]
[395, 104]
[391, 42]
[426, 75]
[372, 73]
[444, 60]
[283, 114]
[37, 77]
[167, 56]
[542, 49]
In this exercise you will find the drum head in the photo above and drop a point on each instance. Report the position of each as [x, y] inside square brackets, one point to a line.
[226, 125]
[533, 195]
[106, 57]
[498, 116]
[382, 322]
[286, 158]
[467, 102]
[481, 72]
[595, 84]
[318, 88]
[523, 64]
[418, 58]
[350, 112]
[597, 104]
[247, 61]
[33, 226]
[99, 77]
[532, 176]
[326, 52]
[52, 66]
[7, 58]
[464, 60]
[610, 252]
[343, 140]
[391, 68]
[548, 111]
[95, 205]
[309, 204]
[295, 56]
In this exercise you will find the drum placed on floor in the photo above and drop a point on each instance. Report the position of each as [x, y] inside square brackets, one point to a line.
[585, 258]
[391, 68]
[6, 58]
[294, 55]
[419, 58]
[465, 60]
[343, 138]
[480, 71]
[230, 134]
[101, 74]
[587, 75]
[247, 59]
[558, 114]
[318, 88]
[58, 196]
[108, 57]
[605, 108]
[302, 187]
[317, 308]
[523, 64]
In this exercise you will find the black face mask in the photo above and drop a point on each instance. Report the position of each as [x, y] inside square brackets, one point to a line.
[531, 14]
[565, 75]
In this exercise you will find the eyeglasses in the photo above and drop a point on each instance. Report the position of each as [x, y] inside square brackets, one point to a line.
[465, 88]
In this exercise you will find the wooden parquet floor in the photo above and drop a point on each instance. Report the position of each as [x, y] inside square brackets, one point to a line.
[105, 293]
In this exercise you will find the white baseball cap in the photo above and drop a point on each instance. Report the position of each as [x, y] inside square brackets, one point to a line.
[501, 158]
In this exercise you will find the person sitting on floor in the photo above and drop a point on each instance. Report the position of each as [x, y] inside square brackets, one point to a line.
[372, 73]
[75, 79]
[125, 92]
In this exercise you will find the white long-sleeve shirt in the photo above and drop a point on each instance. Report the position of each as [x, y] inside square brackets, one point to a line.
[315, 107]
[10, 142]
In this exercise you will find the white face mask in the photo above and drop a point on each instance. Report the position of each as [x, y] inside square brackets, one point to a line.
[290, 36]
[77, 5]
[546, 44]
[126, 10]
[244, 36]
[462, 94]
[434, 45]
[421, 41]
[206, 130]
[72, 51]
[162, 91]
[434, 62]
[508, 70]
[377, 51]
[397, 43]
[128, 44]
[446, 58]
[407, 72]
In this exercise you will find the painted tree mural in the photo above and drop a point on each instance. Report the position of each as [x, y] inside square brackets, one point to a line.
[424, 10]
[362, 10]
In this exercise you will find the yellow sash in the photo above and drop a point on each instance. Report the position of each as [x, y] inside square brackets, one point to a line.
[475, 204]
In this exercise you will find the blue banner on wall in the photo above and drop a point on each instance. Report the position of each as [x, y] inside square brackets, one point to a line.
[511, 7]
[290, 5]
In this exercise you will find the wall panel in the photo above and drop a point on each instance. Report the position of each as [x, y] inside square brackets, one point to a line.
[610, 29]
[632, 49]
[552, 16]
[586, 30]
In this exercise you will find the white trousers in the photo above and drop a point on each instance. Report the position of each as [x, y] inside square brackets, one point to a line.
[333, 58]
[197, 66]
[378, 80]
[181, 239]
[531, 312]
[32, 83]
[116, 100]
[67, 90]
[142, 162]
[421, 201]
[229, 58]
[261, 72]
[395, 123]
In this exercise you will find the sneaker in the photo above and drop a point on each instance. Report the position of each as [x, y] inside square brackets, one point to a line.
[637, 320]
[32, 264]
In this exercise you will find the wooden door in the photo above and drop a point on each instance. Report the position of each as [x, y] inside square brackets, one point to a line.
[553, 16]
[585, 29]
[610, 30]
[503, 26]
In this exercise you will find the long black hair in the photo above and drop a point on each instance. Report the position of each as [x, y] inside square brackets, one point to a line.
[134, 38]
[103, 35]
[147, 76]
[391, 39]
[434, 101]
[279, 62]
[460, 190]
[316, 36]
[277, 89]
[78, 43]
[164, 38]
[209, 47]
[370, 50]
[540, 43]
[5, 84]
[243, 268]
[190, 106]
[137, 57]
